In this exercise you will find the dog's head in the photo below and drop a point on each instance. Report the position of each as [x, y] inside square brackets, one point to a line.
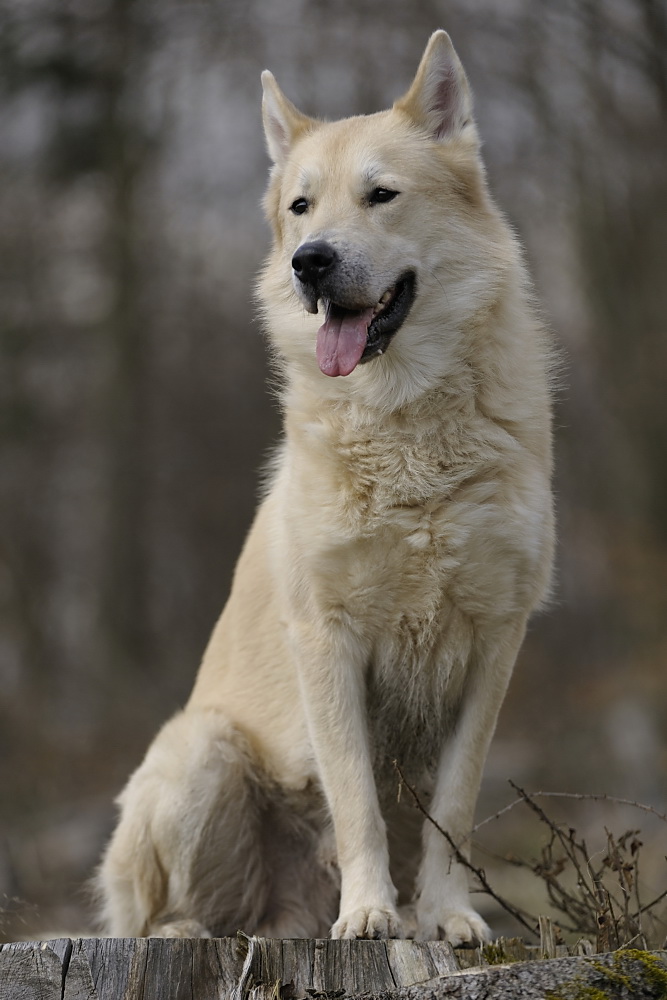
[383, 225]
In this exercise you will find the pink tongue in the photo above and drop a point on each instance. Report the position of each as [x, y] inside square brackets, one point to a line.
[341, 340]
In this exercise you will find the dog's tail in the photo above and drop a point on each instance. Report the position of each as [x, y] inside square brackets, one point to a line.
[131, 885]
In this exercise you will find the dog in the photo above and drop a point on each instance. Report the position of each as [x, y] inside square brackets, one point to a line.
[404, 539]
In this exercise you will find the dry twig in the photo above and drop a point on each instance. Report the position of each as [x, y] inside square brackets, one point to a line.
[615, 918]
[604, 902]
[580, 796]
[462, 860]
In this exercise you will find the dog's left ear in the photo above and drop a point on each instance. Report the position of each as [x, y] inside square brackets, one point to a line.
[439, 99]
[282, 121]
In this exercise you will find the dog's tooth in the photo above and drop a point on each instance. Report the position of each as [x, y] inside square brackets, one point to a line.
[382, 303]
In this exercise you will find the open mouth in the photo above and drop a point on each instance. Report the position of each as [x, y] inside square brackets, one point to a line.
[349, 337]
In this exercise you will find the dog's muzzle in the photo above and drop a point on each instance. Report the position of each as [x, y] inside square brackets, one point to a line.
[356, 328]
[313, 264]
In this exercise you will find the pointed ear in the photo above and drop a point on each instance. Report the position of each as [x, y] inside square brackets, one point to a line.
[282, 121]
[439, 99]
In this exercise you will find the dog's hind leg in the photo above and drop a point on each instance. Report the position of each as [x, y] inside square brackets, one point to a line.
[186, 858]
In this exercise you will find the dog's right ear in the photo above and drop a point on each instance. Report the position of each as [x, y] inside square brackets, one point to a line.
[282, 121]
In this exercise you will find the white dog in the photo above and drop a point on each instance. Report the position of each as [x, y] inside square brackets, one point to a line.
[383, 592]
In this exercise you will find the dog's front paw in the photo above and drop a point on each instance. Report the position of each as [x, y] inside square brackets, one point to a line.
[462, 928]
[368, 922]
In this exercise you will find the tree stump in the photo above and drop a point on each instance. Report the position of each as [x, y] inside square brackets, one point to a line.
[260, 969]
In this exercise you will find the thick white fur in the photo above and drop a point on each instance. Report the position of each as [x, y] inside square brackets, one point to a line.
[382, 595]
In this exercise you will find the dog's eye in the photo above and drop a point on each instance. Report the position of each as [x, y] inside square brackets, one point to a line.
[299, 206]
[379, 196]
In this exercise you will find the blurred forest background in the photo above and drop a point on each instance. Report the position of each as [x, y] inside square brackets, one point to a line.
[134, 412]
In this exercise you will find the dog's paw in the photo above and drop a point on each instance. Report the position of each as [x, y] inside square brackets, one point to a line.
[179, 929]
[462, 928]
[368, 922]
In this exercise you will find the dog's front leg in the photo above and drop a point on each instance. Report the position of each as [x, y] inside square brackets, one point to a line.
[331, 666]
[443, 906]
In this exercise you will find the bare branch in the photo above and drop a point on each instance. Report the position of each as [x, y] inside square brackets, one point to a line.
[461, 858]
[581, 796]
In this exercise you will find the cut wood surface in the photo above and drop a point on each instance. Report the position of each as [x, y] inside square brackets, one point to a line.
[261, 969]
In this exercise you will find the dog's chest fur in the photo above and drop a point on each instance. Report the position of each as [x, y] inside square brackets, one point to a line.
[400, 515]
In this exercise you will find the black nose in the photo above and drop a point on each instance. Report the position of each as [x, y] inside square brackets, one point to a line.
[313, 260]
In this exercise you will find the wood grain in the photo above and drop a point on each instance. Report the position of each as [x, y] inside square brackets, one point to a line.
[260, 969]
[30, 972]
